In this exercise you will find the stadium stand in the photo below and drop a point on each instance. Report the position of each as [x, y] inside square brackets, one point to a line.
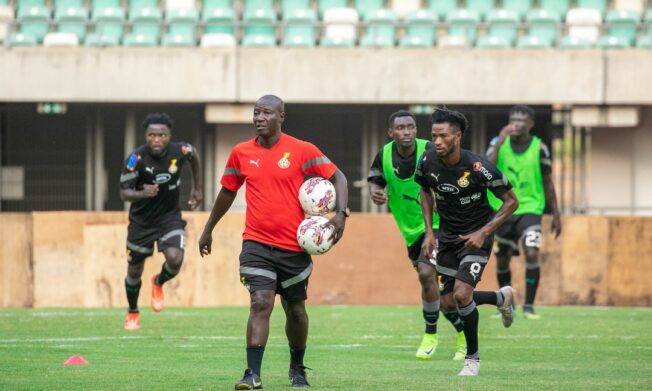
[503, 24]
[519, 7]
[182, 27]
[584, 24]
[326, 5]
[442, 7]
[481, 7]
[420, 30]
[34, 21]
[259, 28]
[109, 26]
[381, 29]
[300, 28]
[60, 40]
[368, 8]
[145, 25]
[533, 42]
[622, 23]
[559, 7]
[543, 24]
[340, 27]
[72, 19]
[6, 19]
[462, 22]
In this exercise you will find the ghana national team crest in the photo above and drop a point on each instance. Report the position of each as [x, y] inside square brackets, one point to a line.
[464, 181]
[173, 166]
[284, 162]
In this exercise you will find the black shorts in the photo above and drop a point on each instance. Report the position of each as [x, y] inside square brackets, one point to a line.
[168, 233]
[525, 229]
[416, 255]
[265, 267]
[456, 262]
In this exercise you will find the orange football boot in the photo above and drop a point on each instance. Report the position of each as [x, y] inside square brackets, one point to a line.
[132, 321]
[157, 296]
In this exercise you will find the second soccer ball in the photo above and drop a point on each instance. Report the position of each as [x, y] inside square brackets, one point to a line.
[317, 196]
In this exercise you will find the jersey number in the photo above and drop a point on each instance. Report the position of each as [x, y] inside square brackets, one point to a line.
[475, 269]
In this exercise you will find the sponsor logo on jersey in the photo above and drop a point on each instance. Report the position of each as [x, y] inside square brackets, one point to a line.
[464, 181]
[284, 162]
[447, 188]
[173, 166]
[163, 177]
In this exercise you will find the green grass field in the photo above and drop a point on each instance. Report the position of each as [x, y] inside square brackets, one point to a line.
[350, 348]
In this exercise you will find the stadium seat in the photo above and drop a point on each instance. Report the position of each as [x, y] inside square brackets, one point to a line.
[22, 39]
[290, 6]
[644, 42]
[72, 20]
[145, 27]
[34, 21]
[140, 40]
[217, 40]
[101, 4]
[442, 8]
[60, 40]
[340, 27]
[325, 5]
[109, 26]
[481, 7]
[647, 21]
[218, 20]
[381, 29]
[630, 5]
[250, 6]
[504, 24]
[420, 29]
[519, 7]
[559, 7]
[182, 27]
[136, 6]
[102, 40]
[584, 24]
[613, 42]
[533, 42]
[366, 8]
[24, 4]
[217, 4]
[60, 5]
[453, 42]
[598, 5]
[402, 8]
[493, 42]
[623, 24]
[544, 24]
[259, 28]
[300, 28]
[179, 5]
[6, 19]
[569, 42]
[463, 23]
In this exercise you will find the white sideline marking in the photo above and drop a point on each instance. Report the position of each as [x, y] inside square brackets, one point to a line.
[130, 337]
[377, 336]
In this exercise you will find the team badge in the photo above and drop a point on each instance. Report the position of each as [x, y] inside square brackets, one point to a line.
[284, 162]
[173, 166]
[464, 181]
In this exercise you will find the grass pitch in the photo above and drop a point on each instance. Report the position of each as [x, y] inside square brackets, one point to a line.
[349, 348]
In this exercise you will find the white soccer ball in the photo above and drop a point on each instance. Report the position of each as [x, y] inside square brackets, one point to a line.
[313, 237]
[317, 196]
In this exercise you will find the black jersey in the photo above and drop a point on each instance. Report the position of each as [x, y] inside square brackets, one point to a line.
[141, 168]
[461, 191]
[403, 166]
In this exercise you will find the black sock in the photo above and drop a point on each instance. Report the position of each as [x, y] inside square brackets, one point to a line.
[470, 316]
[132, 295]
[431, 315]
[488, 297]
[167, 273]
[504, 277]
[255, 358]
[454, 318]
[296, 357]
[532, 274]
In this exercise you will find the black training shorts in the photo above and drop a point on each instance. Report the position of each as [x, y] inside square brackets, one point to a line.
[416, 254]
[265, 267]
[456, 262]
[167, 233]
[525, 229]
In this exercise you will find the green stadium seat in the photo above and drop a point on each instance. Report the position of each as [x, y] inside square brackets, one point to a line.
[366, 8]
[300, 28]
[504, 24]
[218, 20]
[520, 7]
[493, 42]
[182, 27]
[102, 40]
[63, 4]
[647, 21]
[250, 6]
[101, 4]
[611, 42]
[559, 7]
[644, 42]
[34, 21]
[599, 5]
[441, 8]
[72, 20]
[22, 39]
[24, 4]
[325, 5]
[140, 40]
[290, 6]
[481, 7]
[464, 23]
[623, 24]
[136, 6]
[145, 27]
[533, 42]
[420, 29]
[109, 25]
[381, 29]
[574, 43]
[337, 42]
[259, 28]
[543, 24]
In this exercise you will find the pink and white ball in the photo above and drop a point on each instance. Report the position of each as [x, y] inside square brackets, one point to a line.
[317, 196]
[313, 236]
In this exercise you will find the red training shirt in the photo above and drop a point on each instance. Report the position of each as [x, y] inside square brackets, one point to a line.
[273, 179]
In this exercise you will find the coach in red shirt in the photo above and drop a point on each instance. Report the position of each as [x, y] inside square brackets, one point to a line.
[274, 165]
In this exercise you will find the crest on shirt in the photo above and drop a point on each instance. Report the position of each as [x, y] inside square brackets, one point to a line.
[464, 181]
[284, 162]
[173, 166]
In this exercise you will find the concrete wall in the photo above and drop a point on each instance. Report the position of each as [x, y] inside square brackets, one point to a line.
[326, 75]
[77, 259]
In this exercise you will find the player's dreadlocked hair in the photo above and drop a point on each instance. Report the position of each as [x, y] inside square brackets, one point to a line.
[443, 115]
[522, 109]
[158, 119]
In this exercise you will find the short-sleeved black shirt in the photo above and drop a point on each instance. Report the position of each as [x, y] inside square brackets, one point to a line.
[141, 168]
[461, 191]
[403, 166]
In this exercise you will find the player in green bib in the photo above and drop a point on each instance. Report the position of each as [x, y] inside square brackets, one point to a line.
[525, 160]
[391, 181]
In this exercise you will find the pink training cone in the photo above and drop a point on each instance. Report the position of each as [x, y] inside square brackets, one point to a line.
[76, 360]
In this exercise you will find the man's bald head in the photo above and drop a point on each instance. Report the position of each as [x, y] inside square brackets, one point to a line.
[272, 101]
